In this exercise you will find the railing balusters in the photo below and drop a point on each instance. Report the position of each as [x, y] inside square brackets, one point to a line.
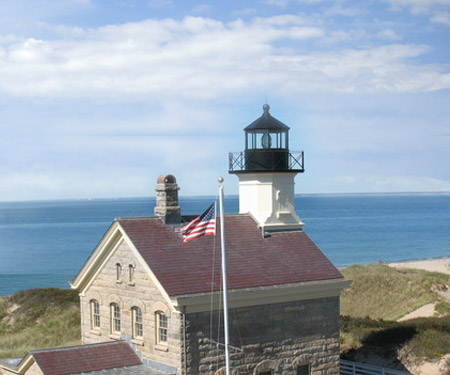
[356, 368]
[237, 161]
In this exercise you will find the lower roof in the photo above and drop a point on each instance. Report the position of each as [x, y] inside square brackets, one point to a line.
[108, 358]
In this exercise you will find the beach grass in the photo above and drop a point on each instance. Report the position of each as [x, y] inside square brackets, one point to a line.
[382, 292]
[378, 296]
[421, 338]
[38, 319]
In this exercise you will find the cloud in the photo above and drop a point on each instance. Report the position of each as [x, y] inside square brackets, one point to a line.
[441, 18]
[201, 8]
[388, 34]
[159, 3]
[278, 3]
[191, 57]
[420, 6]
[382, 184]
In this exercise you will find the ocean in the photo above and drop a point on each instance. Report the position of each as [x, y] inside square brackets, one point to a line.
[45, 243]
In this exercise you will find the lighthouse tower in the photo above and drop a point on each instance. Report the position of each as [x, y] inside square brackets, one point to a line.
[266, 171]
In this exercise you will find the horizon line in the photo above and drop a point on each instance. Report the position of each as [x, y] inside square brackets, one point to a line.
[350, 194]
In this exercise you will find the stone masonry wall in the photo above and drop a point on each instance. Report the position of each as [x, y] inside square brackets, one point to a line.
[142, 293]
[273, 337]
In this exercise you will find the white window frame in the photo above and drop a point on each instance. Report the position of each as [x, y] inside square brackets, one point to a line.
[95, 314]
[162, 326]
[116, 324]
[138, 323]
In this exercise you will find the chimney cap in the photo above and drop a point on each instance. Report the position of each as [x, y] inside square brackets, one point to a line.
[167, 179]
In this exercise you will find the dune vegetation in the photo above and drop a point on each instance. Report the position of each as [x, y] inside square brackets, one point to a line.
[37, 319]
[379, 295]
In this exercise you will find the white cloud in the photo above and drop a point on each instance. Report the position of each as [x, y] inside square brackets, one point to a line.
[244, 12]
[191, 57]
[278, 3]
[202, 8]
[382, 184]
[419, 6]
[388, 34]
[441, 17]
[159, 3]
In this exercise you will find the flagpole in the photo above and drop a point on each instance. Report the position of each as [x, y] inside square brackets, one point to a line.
[224, 279]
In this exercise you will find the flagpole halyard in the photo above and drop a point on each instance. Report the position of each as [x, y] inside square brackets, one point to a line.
[224, 279]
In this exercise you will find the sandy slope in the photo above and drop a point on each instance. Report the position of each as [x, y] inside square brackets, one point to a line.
[434, 265]
[437, 367]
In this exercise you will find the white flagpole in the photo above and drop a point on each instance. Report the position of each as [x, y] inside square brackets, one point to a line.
[224, 279]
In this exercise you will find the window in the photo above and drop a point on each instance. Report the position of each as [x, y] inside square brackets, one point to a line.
[118, 272]
[130, 274]
[95, 314]
[115, 318]
[266, 372]
[137, 322]
[303, 370]
[161, 328]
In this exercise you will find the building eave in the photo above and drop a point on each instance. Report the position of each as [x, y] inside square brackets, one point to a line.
[200, 302]
[102, 250]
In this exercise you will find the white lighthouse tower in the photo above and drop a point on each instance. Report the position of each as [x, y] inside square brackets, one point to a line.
[266, 171]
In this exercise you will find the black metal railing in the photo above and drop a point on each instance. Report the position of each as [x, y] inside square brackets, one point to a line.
[257, 160]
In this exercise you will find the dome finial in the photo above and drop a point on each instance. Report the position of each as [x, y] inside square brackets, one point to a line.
[266, 108]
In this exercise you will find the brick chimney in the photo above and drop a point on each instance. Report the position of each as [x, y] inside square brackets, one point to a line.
[167, 208]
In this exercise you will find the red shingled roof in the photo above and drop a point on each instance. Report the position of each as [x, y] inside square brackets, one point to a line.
[85, 358]
[252, 261]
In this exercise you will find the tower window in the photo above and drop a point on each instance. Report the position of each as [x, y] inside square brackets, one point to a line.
[161, 328]
[138, 331]
[115, 318]
[95, 314]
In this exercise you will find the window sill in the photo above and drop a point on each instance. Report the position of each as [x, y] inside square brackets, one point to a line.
[115, 336]
[139, 342]
[95, 332]
[131, 284]
[161, 348]
[118, 281]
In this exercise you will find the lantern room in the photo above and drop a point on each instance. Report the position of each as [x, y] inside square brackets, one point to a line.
[266, 148]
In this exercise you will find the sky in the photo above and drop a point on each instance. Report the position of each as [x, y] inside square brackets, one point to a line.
[100, 97]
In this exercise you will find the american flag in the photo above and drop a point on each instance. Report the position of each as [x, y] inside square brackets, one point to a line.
[204, 225]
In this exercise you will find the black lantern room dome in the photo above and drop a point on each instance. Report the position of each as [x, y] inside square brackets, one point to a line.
[266, 148]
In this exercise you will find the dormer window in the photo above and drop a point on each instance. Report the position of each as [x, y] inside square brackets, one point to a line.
[118, 273]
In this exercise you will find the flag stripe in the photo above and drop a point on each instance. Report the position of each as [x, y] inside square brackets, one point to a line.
[203, 225]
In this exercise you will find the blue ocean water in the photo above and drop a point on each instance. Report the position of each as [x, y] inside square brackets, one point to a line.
[45, 243]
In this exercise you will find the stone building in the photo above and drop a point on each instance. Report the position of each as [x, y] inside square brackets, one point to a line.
[144, 289]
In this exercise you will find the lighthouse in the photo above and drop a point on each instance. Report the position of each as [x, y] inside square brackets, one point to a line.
[266, 170]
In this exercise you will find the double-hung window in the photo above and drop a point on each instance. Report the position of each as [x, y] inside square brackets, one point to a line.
[95, 314]
[138, 330]
[161, 328]
[115, 318]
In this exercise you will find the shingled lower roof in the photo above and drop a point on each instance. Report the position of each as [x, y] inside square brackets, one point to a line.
[252, 260]
[85, 358]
